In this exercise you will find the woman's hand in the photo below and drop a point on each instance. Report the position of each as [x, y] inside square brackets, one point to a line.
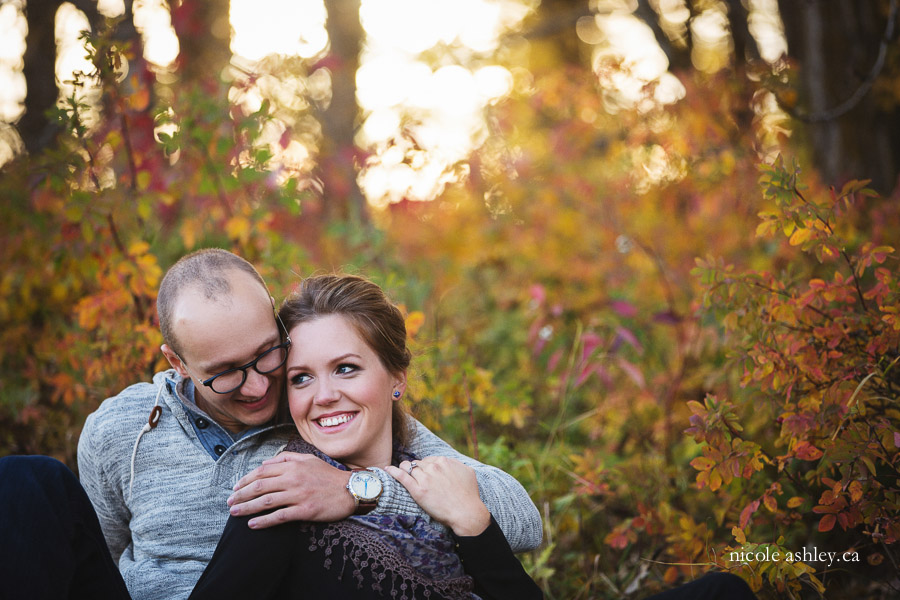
[447, 490]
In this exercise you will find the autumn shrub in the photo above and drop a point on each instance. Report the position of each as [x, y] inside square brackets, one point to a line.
[566, 318]
[806, 454]
[89, 224]
[576, 338]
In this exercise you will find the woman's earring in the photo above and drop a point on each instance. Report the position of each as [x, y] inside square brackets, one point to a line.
[397, 394]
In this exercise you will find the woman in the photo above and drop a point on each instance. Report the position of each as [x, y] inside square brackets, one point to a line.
[346, 377]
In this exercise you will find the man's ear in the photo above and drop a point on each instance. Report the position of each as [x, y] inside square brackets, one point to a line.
[175, 361]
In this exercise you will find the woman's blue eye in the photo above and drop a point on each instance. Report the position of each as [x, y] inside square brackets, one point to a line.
[345, 369]
[300, 379]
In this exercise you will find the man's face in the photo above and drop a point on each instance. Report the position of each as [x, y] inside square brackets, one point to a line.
[217, 335]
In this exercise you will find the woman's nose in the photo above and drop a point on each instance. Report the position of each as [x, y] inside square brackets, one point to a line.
[326, 393]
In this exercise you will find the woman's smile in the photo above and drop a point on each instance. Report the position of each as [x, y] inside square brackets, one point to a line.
[331, 422]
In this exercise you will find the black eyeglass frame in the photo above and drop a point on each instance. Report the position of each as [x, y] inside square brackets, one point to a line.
[286, 345]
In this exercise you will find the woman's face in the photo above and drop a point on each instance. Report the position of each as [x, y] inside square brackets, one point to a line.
[340, 394]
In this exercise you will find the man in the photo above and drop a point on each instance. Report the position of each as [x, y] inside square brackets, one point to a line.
[160, 461]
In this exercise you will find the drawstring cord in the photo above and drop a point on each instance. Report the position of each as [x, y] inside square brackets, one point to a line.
[152, 422]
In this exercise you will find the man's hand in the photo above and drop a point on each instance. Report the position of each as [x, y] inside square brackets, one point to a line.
[295, 487]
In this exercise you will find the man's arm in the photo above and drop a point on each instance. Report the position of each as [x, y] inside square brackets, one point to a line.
[505, 497]
[106, 497]
[301, 487]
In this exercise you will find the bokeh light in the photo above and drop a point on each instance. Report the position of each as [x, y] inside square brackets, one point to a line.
[12, 81]
[420, 117]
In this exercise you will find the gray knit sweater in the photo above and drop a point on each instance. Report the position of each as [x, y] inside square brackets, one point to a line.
[160, 496]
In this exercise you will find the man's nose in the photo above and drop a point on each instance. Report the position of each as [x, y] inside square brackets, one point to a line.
[255, 384]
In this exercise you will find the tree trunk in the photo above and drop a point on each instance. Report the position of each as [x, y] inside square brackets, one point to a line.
[745, 48]
[342, 198]
[204, 37]
[39, 67]
[40, 75]
[679, 58]
[836, 46]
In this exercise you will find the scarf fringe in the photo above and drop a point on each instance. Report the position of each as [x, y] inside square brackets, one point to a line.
[362, 550]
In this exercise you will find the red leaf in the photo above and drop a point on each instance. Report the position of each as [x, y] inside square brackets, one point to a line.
[806, 451]
[538, 294]
[623, 308]
[667, 318]
[590, 341]
[843, 520]
[624, 334]
[827, 523]
[285, 138]
[632, 371]
[747, 513]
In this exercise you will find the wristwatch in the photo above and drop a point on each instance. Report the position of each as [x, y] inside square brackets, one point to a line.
[365, 487]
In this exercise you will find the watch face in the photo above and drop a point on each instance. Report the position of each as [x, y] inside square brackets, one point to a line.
[365, 485]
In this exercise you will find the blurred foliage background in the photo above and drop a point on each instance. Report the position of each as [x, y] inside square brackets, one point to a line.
[646, 248]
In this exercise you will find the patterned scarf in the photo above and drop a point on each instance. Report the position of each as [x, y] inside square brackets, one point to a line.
[407, 557]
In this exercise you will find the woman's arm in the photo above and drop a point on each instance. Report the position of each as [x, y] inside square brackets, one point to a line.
[497, 572]
[249, 563]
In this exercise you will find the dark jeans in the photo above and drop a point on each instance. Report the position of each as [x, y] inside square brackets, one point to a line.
[51, 545]
[712, 586]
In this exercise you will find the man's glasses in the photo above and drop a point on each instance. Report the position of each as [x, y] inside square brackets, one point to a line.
[267, 362]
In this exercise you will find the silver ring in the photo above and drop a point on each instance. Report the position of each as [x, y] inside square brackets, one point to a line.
[412, 466]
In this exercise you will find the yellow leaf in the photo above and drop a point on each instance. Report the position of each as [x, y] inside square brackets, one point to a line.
[138, 248]
[58, 291]
[730, 321]
[140, 99]
[799, 236]
[143, 180]
[414, 322]
[702, 463]
[869, 464]
[189, 230]
[144, 209]
[87, 232]
[237, 227]
[795, 502]
[856, 491]
[695, 407]
[788, 227]
[715, 480]
[765, 228]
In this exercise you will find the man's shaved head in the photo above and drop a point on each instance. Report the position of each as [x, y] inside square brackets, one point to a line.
[205, 272]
